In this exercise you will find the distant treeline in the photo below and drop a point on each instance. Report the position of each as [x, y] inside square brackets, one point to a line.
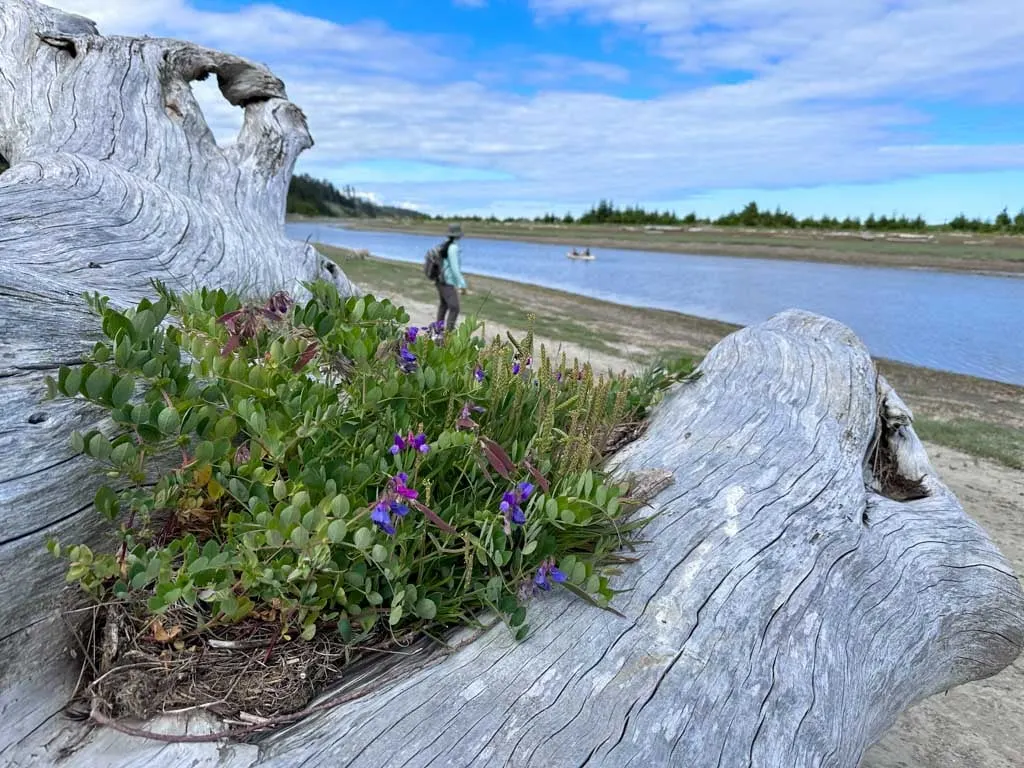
[605, 212]
[311, 197]
[314, 197]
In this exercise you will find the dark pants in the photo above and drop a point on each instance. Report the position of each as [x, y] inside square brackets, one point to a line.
[448, 311]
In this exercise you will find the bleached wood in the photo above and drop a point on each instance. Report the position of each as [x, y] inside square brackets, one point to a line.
[783, 614]
[115, 179]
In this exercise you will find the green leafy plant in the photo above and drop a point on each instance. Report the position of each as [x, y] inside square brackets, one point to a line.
[323, 466]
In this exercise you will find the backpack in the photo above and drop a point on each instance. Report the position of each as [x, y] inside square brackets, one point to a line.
[433, 264]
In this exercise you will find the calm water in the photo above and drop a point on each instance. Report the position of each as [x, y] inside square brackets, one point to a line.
[955, 322]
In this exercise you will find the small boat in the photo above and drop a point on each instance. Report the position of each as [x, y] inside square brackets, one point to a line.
[577, 256]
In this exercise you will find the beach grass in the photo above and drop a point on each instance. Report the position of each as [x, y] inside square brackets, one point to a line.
[977, 438]
[978, 417]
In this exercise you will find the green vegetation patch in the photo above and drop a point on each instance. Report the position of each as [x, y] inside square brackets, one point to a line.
[978, 438]
[296, 485]
[407, 280]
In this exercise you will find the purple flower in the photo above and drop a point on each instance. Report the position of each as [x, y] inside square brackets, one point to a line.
[515, 368]
[398, 483]
[409, 443]
[479, 373]
[382, 517]
[511, 504]
[508, 501]
[548, 570]
[392, 502]
[436, 331]
[407, 360]
[411, 334]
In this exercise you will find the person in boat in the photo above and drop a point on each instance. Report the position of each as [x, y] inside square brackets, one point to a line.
[586, 251]
[575, 252]
[451, 283]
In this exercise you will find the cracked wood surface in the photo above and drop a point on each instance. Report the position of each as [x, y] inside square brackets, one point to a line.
[784, 613]
[115, 179]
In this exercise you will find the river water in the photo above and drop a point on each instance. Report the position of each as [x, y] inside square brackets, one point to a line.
[949, 321]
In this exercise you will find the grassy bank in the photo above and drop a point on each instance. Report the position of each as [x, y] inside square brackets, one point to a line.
[977, 416]
[947, 251]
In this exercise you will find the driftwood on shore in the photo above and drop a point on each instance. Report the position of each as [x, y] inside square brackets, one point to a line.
[808, 576]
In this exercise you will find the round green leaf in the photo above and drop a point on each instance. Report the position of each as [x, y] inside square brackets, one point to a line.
[123, 453]
[99, 447]
[280, 489]
[336, 531]
[98, 383]
[168, 421]
[226, 427]
[204, 452]
[363, 538]
[339, 505]
[396, 615]
[123, 391]
[73, 382]
[300, 537]
[426, 608]
[379, 554]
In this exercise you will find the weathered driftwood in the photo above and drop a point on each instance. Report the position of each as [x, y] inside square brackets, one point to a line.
[808, 576]
[115, 179]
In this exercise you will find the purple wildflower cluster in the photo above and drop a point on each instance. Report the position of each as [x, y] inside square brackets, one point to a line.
[517, 367]
[479, 374]
[393, 502]
[410, 442]
[548, 570]
[512, 501]
[406, 360]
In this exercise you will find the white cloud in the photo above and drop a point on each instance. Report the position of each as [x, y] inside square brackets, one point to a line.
[268, 32]
[824, 103]
[824, 48]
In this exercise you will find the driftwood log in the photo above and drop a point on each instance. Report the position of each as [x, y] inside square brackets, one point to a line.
[808, 576]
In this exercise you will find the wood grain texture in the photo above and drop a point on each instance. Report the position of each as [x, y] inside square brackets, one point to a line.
[115, 179]
[784, 612]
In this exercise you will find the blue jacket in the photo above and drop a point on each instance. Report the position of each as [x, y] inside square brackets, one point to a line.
[451, 273]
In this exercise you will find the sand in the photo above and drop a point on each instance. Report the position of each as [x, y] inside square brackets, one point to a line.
[979, 725]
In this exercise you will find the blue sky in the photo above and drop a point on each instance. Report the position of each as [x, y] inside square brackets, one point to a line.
[524, 106]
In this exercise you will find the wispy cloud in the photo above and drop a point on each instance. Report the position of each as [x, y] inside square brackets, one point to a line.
[822, 92]
[271, 33]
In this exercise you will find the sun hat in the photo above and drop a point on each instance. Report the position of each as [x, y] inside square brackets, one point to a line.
[455, 230]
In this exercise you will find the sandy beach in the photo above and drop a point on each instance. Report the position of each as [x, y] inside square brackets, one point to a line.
[979, 422]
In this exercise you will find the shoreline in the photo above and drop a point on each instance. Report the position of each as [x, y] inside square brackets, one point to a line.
[972, 430]
[983, 417]
[949, 254]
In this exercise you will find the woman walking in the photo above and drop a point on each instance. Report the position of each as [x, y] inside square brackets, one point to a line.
[451, 282]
